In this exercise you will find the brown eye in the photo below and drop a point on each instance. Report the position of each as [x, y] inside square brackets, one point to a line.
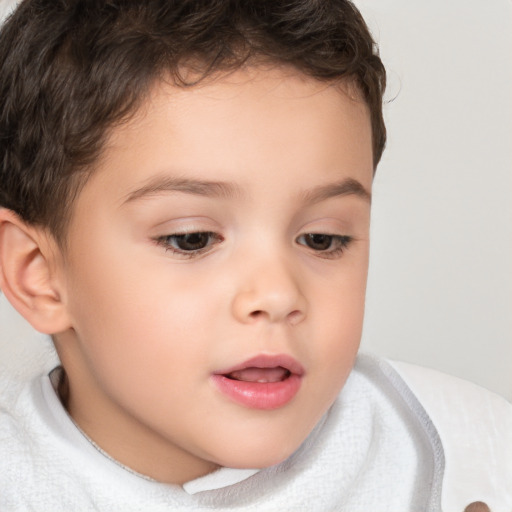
[324, 245]
[318, 242]
[189, 244]
[192, 241]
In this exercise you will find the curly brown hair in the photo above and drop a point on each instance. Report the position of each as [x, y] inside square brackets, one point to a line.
[72, 69]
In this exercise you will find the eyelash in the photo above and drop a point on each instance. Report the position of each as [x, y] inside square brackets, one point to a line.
[167, 242]
[337, 244]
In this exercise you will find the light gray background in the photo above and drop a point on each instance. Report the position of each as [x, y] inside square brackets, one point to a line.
[440, 288]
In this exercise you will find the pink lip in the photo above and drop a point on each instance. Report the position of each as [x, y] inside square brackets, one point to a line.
[261, 395]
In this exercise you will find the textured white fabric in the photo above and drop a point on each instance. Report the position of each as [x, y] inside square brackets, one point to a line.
[475, 427]
[374, 450]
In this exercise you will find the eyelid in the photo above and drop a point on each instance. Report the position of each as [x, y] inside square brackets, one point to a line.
[186, 224]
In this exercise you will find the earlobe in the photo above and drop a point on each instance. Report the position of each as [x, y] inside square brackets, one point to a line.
[26, 276]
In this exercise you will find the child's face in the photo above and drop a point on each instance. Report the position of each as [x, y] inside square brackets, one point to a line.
[269, 174]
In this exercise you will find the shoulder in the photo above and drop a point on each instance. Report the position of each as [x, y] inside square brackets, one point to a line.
[475, 427]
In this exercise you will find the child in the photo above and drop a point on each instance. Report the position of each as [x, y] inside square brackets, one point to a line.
[185, 192]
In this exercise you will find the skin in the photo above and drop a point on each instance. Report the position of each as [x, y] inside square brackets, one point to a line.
[146, 326]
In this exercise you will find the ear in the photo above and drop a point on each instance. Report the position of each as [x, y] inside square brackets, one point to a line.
[28, 274]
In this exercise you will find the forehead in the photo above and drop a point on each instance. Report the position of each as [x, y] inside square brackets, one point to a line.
[250, 120]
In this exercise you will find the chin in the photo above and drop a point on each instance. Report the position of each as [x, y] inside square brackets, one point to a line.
[259, 455]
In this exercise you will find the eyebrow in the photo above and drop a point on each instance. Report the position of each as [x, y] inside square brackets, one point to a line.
[162, 184]
[346, 187]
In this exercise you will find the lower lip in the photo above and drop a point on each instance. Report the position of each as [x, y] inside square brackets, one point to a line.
[259, 395]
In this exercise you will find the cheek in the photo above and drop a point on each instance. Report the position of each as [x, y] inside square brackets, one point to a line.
[339, 334]
[338, 319]
[146, 336]
[143, 314]
[340, 298]
[333, 341]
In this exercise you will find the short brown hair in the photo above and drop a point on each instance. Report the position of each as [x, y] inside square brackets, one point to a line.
[71, 69]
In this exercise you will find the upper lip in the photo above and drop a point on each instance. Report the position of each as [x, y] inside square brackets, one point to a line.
[267, 361]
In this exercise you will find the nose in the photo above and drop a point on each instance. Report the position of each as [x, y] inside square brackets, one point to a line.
[271, 292]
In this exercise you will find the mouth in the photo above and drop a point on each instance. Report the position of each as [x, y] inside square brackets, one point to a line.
[260, 375]
[263, 382]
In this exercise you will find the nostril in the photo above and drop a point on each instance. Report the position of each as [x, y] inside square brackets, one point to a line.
[295, 317]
